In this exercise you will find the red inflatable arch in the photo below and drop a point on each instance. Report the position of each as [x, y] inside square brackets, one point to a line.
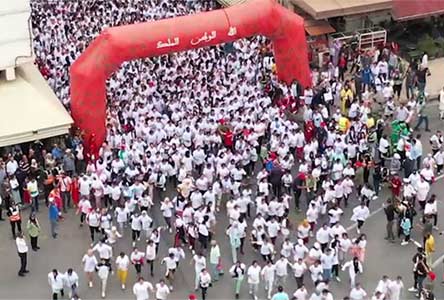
[119, 44]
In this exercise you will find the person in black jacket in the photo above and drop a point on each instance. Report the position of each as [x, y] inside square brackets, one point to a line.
[389, 210]
[275, 179]
[419, 255]
[298, 186]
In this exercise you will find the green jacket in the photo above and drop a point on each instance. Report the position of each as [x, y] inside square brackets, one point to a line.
[33, 229]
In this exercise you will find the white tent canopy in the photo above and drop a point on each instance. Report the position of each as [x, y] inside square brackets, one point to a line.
[29, 110]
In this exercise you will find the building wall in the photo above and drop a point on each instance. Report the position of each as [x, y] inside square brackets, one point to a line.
[355, 22]
[15, 34]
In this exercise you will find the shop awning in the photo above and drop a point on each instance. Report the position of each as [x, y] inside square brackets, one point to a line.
[324, 9]
[319, 27]
[29, 108]
[228, 3]
[404, 10]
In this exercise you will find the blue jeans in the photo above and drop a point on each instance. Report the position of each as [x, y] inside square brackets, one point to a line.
[53, 224]
[35, 203]
[326, 274]
[214, 272]
[422, 118]
[420, 283]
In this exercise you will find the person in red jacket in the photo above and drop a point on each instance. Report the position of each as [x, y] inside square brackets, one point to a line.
[56, 198]
[342, 65]
[75, 190]
[396, 184]
[228, 139]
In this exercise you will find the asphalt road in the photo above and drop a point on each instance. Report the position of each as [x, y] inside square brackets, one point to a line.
[381, 257]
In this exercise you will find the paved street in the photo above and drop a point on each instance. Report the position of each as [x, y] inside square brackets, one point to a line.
[436, 81]
[66, 251]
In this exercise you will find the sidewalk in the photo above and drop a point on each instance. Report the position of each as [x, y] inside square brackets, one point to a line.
[435, 82]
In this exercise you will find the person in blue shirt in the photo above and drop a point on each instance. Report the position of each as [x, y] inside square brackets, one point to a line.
[54, 214]
[56, 152]
[280, 295]
[367, 77]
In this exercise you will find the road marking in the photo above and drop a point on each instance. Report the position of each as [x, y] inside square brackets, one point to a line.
[417, 244]
[438, 261]
[382, 208]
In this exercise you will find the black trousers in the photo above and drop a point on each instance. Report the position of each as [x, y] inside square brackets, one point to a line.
[138, 268]
[151, 263]
[82, 217]
[14, 225]
[55, 295]
[92, 230]
[300, 281]
[34, 240]
[204, 292]
[23, 262]
[277, 190]
[297, 195]
[203, 240]
[135, 234]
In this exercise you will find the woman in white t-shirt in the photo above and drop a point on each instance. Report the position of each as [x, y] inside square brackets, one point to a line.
[141, 288]
[121, 216]
[89, 262]
[167, 212]
[162, 290]
[84, 208]
[122, 263]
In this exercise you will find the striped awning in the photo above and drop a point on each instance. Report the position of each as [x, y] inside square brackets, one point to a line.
[228, 3]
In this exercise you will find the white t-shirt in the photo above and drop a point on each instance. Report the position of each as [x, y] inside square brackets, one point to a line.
[357, 294]
[423, 188]
[323, 236]
[90, 263]
[300, 294]
[395, 289]
[254, 274]
[199, 263]
[281, 267]
[162, 291]
[140, 290]
[105, 251]
[299, 269]
[122, 262]
[273, 228]
[327, 261]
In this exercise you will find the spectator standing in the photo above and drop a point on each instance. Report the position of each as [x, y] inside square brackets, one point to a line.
[65, 184]
[389, 210]
[33, 228]
[54, 215]
[15, 219]
[22, 250]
